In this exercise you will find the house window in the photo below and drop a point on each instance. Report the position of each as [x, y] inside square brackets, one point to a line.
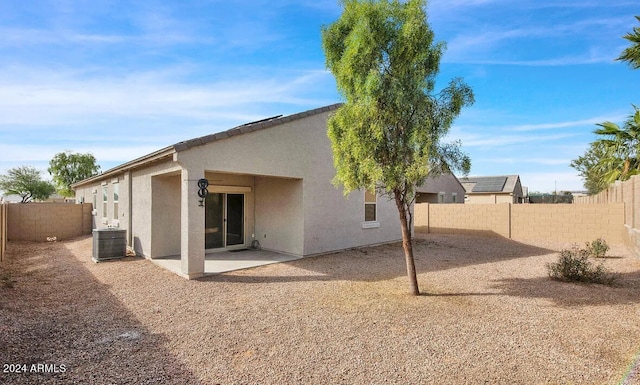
[454, 197]
[441, 197]
[95, 202]
[370, 206]
[104, 201]
[115, 201]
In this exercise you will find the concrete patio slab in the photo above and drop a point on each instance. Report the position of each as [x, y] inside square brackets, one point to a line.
[225, 261]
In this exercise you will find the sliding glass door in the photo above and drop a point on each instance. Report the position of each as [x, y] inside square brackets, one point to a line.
[224, 220]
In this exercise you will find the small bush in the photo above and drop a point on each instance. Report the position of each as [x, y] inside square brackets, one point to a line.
[598, 248]
[573, 265]
[5, 280]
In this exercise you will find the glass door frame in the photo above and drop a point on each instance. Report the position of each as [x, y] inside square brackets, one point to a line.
[224, 247]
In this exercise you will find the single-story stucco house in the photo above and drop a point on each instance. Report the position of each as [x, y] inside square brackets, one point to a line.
[494, 189]
[444, 188]
[268, 183]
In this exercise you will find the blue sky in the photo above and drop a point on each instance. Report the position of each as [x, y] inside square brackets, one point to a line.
[122, 79]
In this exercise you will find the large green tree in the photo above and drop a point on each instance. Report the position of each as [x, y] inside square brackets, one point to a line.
[67, 168]
[631, 54]
[590, 167]
[26, 182]
[386, 136]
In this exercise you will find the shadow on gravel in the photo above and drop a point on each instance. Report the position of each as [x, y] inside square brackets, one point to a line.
[378, 263]
[625, 291]
[58, 324]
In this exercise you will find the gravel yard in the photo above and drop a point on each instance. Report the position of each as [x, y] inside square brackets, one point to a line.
[489, 315]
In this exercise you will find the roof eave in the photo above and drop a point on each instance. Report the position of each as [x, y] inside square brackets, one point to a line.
[142, 161]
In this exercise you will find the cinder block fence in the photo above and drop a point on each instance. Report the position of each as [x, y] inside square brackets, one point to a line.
[560, 222]
[3, 230]
[627, 192]
[39, 221]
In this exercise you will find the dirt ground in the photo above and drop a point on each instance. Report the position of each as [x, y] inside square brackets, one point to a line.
[489, 314]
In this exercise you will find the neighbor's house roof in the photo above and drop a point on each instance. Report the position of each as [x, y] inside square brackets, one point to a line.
[435, 184]
[168, 151]
[490, 184]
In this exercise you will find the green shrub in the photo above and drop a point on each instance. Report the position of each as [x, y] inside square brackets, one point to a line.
[573, 265]
[598, 248]
[5, 280]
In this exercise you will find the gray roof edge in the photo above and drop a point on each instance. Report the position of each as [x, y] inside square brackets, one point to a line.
[162, 153]
[251, 127]
[187, 144]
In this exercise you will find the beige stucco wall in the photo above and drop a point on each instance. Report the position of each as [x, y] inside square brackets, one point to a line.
[92, 193]
[518, 194]
[143, 222]
[135, 191]
[165, 214]
[301, 149]
[291, 205]
[445, 183]
[278, 214]
[481, 199]
[490, 198]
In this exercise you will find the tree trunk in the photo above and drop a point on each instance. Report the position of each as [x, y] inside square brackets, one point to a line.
[406, 242]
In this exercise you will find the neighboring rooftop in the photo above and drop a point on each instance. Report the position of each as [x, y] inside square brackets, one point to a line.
[489, 184]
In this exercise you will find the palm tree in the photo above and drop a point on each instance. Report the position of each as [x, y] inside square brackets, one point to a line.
[632, 53]
[621, 145]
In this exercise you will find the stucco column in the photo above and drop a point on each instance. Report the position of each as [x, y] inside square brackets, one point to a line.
[192, 225]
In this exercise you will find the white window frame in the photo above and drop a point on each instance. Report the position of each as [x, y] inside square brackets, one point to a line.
[370, 198]
[95, 202]
[116, 199]
[442, 197]
[454, 197]
[105, 201]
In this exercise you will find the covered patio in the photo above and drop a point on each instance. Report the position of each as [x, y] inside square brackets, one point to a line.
[225, 261]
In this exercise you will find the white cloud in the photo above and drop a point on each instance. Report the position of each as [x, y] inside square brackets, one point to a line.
[33, 153]
[584, 122]
[529, 160]
[488, 141]
[62, 97]
[480, 42]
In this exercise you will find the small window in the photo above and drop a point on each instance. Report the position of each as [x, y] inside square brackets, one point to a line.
[441, 197]
[115, 201]
[104, 201]
[370, 206]
[454, 197]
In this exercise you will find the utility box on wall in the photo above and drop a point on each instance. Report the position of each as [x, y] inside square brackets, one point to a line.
[109, 243]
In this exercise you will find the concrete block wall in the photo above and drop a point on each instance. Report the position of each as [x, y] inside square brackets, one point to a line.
[489, 219]
[3, 230]
[627, 192]
[564, 223]
[38, 221]
[568, 223]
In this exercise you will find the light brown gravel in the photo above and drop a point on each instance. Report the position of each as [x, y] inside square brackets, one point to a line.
[490, 315]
